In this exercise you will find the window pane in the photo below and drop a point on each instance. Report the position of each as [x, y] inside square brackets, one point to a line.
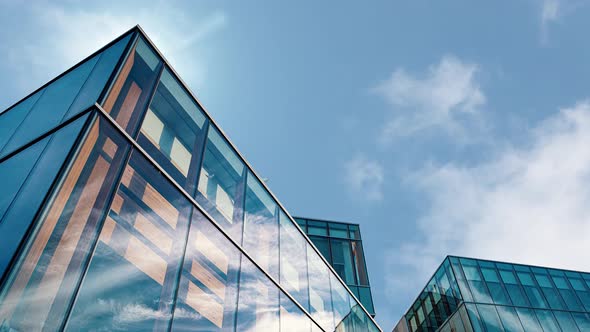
[258, 303]
[354, 232]
[293, 261]
[547, 321]
[26, 180]
[509, 319]
[474, 317]
[458, 272]
[338, 230]
[320, 299]
[565, 320]
[221, 184]
[292, 318]
[207, 293]
[69, 95]
[489, 318]
[323, 245]
[475, 281]
[172, 133]
[340, 299]
[133, 87]
[342, 260]
[141, 246]
[583, 321]
[41, 287]
[528, 320]
[317, 228]
[366, 299]
[261, 228]
[359, 263]
[11, 119]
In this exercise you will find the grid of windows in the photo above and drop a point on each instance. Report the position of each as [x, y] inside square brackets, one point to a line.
[157, 223]
[341, 244]
[505, 297]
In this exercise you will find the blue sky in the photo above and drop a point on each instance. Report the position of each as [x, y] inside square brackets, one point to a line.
[442, 127]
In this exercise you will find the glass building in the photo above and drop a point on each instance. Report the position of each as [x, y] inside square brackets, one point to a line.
[484, 296]
[123, 206]
[341, 244]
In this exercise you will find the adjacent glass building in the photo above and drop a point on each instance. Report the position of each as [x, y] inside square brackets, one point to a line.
[123, 206]
[341, 244]
[485, 296]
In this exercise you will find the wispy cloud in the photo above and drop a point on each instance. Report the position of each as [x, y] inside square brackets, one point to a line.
[436, 100]
[526, 204]
[365, 178]
[64, 34]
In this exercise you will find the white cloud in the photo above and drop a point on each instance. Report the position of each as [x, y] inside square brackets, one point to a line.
[65, 34]
[526, 204]
[365, 178]
[549, 11]
[439, 99]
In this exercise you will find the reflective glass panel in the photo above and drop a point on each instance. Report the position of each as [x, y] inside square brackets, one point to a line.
[317, 228]
[11, 119]
[547, 321]
[261, 227]
[72, 93]
[222, 184]
[258, 302]
[133, 88]
[132, 277]
[489, 318]
[292, 318]
[528, 319]
[320, 298]
[509, 319]
[359, 263]
[565, 320]
[338, 230]
[341, 300]
[207, 293]
[172, 131]
[41, 286]
[26, 179]
[342, 260]
[293, 261]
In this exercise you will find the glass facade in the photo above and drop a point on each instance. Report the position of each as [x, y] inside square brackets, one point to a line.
[484, 296]
[341, 245]
[128, 209]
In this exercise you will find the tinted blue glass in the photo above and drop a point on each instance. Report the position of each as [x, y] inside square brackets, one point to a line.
[342, 260]
[489, 317]
[51, 107]
[509, 319]
[565, 321]
[323, 246]
[98, 78]
[583, 321]
[10, 120]
[14, 171]
[528, 319]
[474, 279]
[458, 272]
[547, 321]
[21, 213]
[474, 318]
[366, 299]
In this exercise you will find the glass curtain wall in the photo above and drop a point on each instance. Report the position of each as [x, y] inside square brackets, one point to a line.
[341, 245]
[501, 297]
[121, 245]
[177, 134]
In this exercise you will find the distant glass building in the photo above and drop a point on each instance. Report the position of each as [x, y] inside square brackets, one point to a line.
[123, 206]
[341, 244]
[485, 296]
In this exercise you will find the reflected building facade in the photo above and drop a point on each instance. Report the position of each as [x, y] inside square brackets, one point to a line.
[125, 207]
[475, 295]
[341, 245]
